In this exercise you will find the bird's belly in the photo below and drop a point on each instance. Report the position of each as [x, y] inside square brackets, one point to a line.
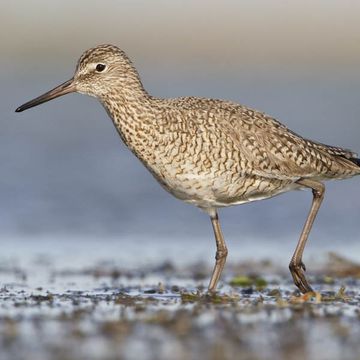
[209, 190]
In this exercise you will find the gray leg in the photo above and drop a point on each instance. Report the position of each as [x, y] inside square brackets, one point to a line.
[296, 265]
[221, 253]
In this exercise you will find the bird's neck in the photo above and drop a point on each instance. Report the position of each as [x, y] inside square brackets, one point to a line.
[131, 111]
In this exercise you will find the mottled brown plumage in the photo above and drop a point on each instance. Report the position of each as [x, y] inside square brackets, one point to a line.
[207, 152]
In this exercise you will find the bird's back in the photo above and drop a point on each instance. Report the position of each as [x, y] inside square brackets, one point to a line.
[263, 146]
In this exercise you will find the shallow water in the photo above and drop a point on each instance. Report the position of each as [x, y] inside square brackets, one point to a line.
[53, 307]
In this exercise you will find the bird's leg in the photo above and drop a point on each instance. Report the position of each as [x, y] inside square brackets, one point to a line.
[221, 253]
[296, 266]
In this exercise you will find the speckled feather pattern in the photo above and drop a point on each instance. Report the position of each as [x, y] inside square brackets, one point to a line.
[208, 152]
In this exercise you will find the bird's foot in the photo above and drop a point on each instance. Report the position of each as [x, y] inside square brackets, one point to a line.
[297, 271]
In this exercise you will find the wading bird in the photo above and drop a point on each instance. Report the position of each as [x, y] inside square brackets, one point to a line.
[207, 152]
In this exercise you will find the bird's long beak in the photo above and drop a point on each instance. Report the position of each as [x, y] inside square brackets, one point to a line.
[65, 88]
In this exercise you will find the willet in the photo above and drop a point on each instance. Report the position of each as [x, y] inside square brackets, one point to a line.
[207, 152]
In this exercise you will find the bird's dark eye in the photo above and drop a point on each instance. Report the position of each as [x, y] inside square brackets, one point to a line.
[100, 67]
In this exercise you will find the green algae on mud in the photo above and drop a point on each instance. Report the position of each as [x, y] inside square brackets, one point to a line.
[247, 281]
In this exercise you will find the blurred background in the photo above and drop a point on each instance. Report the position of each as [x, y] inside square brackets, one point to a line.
[66, 177]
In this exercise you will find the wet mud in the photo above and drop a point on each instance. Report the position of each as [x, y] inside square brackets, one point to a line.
[164, 312]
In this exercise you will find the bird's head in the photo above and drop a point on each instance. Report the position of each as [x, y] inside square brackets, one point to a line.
[99, 71]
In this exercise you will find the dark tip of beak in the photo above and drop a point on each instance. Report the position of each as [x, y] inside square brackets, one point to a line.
[19, 109]
[65, 88]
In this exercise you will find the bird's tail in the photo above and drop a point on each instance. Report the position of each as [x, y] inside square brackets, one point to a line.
[340, 152]
[355, 161]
